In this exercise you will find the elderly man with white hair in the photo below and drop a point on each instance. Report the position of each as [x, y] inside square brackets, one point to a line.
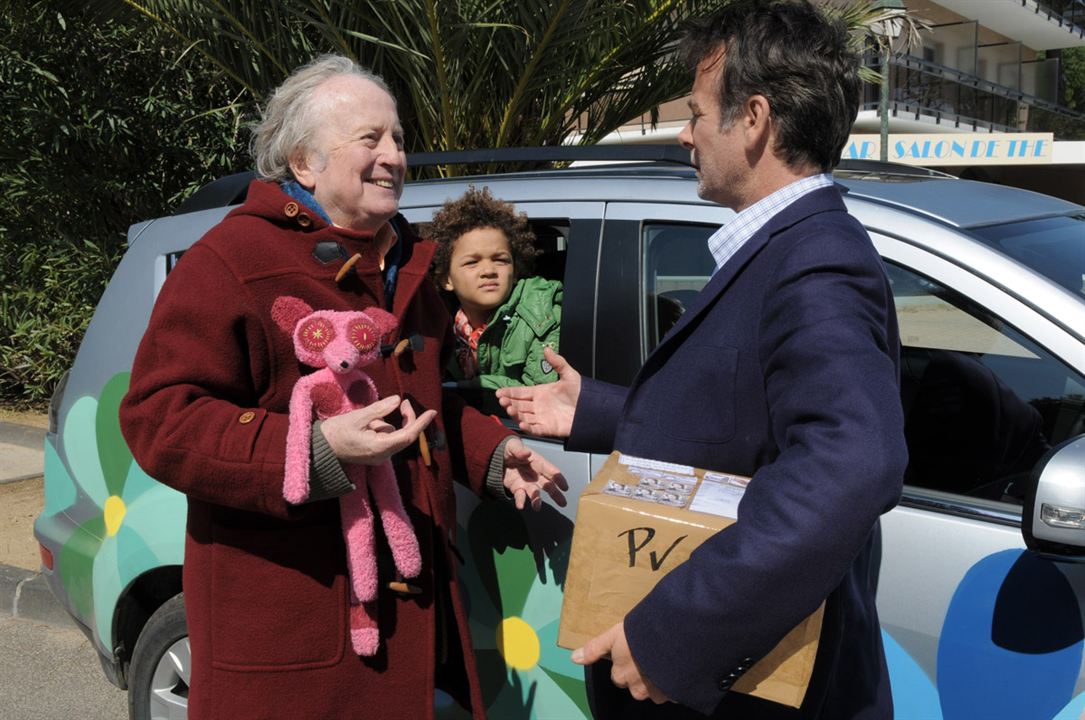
[267, 598]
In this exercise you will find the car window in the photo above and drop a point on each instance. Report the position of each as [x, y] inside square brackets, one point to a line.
[552, 244]
[1051, 246]
[171, 259]
[677, 264]
[982, 402]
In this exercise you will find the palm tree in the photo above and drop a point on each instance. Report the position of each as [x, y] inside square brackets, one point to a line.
[466, 73]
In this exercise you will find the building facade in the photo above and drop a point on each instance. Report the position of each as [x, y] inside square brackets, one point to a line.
[980, 96]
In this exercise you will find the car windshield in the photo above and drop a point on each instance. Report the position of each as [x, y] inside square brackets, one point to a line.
[1053, 247]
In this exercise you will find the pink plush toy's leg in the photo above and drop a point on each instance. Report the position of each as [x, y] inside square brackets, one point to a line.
[397, 526]
[364, 635]
[358, 535]
[298, 440]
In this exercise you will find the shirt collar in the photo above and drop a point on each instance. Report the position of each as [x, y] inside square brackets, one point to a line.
[731, 236]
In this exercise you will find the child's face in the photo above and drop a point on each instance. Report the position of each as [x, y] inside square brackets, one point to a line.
[481, 272]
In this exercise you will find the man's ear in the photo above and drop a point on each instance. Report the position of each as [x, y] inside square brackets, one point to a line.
[756, 119]
[301, 165]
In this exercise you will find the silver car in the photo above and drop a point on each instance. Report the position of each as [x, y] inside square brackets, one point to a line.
[982, 588]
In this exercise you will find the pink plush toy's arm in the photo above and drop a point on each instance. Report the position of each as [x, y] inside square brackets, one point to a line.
[370, 393]
[298, 441]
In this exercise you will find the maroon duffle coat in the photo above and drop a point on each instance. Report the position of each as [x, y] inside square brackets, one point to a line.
[265, 582]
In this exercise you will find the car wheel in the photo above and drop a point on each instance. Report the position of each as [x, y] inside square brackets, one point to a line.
[161, 667]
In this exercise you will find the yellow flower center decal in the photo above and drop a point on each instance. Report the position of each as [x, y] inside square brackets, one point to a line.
[518, 643]
[114, 515]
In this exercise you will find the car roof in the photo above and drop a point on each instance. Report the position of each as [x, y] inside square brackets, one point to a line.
[661, 173]
[960, 203]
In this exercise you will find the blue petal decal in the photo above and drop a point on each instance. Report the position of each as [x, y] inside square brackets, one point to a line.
[914, 695]
[1011, 645]
[1074, 711]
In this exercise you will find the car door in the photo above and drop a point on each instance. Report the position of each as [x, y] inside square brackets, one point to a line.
[975, 625]
[515, 565]
[568, 237]
[514, 562]
[655, 260]
[988, 385]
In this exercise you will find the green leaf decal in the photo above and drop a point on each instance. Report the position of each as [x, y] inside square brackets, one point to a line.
[573, 687]
[515, 576]
[76, 561]
[113, 452]
[503, 557]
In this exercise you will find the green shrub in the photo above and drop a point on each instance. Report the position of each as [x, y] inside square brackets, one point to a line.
[103, 124]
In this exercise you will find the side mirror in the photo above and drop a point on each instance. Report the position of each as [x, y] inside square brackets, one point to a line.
[1053, 516]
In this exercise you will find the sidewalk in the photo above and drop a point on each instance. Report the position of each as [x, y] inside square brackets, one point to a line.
[21, 454]
[24, 593]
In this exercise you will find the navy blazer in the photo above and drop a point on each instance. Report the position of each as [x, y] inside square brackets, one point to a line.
[785, 368]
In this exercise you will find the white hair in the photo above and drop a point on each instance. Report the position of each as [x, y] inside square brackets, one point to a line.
[291, 119]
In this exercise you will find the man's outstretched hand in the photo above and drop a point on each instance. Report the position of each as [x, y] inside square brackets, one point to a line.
[545, 410]
[528, 474]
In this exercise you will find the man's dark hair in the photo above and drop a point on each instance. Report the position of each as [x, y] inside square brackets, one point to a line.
[799, 60]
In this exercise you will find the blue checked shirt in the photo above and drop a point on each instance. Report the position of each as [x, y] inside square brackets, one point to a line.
[730, 238]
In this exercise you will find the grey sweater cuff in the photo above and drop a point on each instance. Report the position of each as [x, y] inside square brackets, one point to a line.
[327, 479]
[495, 476]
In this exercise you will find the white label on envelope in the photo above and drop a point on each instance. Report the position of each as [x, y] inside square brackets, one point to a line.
[719, 496]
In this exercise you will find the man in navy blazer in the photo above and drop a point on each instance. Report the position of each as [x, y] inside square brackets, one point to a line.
[784, 368]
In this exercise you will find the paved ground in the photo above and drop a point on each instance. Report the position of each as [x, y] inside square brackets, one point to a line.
[20, 503]
[20, 451]
[48, 668]
[51, 672]
[23, 592]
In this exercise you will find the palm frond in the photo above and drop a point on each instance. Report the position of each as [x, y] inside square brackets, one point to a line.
[865, 23]
[471, 73]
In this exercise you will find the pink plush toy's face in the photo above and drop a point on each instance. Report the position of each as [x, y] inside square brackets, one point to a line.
[340, 341]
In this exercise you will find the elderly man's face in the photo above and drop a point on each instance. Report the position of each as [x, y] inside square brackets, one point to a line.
[357, 167]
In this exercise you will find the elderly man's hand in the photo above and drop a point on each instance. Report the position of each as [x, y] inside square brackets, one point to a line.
[364, 437]
[624, 671]
[545, 410]
[528, 474]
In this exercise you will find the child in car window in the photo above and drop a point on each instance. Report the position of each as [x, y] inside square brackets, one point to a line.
[505, 318]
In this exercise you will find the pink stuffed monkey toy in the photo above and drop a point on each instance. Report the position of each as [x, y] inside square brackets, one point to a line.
[340, 344]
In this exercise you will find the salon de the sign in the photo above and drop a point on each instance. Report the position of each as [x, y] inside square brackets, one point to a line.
[954, 149]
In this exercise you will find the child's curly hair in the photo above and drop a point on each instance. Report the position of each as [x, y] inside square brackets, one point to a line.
[479, 209]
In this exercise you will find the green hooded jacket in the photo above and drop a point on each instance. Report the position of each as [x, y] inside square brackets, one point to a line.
[510, 349]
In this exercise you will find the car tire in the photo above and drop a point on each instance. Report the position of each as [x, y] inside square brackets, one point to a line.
[161, 666]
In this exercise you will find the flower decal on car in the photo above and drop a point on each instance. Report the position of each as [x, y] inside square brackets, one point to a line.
[512, 580]
[122, 522]
[1014, 615]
